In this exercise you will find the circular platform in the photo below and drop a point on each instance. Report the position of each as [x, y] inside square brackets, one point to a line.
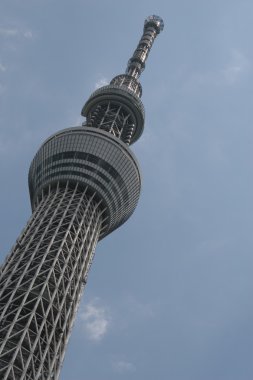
[123, 96]
[93, 158]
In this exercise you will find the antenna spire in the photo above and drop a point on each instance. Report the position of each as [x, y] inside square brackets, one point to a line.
[153, 25]
[117, 108]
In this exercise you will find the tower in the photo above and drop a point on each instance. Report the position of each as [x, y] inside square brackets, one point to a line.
[84, 183]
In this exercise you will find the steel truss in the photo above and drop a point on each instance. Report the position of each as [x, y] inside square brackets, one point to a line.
[113, 118]
[42, 280]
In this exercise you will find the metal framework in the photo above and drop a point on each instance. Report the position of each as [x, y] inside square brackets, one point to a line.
[42, 281]
[84, 183]
[121, 112]
[113, 118]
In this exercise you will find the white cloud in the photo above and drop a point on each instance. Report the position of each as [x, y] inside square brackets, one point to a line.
[95, 320]
[236, 67]
[101, 82]
[122, 366]
[131, 312]
[229, 73]
[213, 247]
[78, 121]
[139, 309]
[28, 34]
[6, 32]
[2, 67]
[14, 32]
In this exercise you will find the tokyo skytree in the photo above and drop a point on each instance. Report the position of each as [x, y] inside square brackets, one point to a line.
[84, 183]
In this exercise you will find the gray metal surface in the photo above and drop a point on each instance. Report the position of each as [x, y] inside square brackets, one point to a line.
[117, 108]
[41, 282]
[153, 25]
[84, 182]
[92, 158]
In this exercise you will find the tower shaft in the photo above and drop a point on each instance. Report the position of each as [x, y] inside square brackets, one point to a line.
[41, 283]
[84, 183]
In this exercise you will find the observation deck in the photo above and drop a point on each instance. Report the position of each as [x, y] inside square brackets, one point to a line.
[94, 159]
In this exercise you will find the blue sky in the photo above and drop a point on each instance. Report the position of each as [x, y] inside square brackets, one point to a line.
[169, 295]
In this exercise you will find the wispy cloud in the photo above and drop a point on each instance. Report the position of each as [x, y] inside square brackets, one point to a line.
[123, 366]
[15, 32]
[101, 82]
[237, 65]
[2, 67]
[78, 121]
[229, 73]
[139, 309]
[8, 32]
[132, 312]
[28, 34]
[95, 320]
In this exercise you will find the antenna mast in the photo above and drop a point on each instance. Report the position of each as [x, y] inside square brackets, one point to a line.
[117, 108]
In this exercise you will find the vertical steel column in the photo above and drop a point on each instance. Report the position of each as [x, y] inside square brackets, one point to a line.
[42, 280]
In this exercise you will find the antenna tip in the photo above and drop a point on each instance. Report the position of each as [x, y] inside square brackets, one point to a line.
[155, 21]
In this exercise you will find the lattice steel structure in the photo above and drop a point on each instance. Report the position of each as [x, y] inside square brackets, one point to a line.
[84, 182]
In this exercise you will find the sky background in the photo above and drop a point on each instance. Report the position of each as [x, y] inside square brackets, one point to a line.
[169, 295]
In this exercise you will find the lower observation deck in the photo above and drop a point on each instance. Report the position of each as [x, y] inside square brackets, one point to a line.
[94, 159]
